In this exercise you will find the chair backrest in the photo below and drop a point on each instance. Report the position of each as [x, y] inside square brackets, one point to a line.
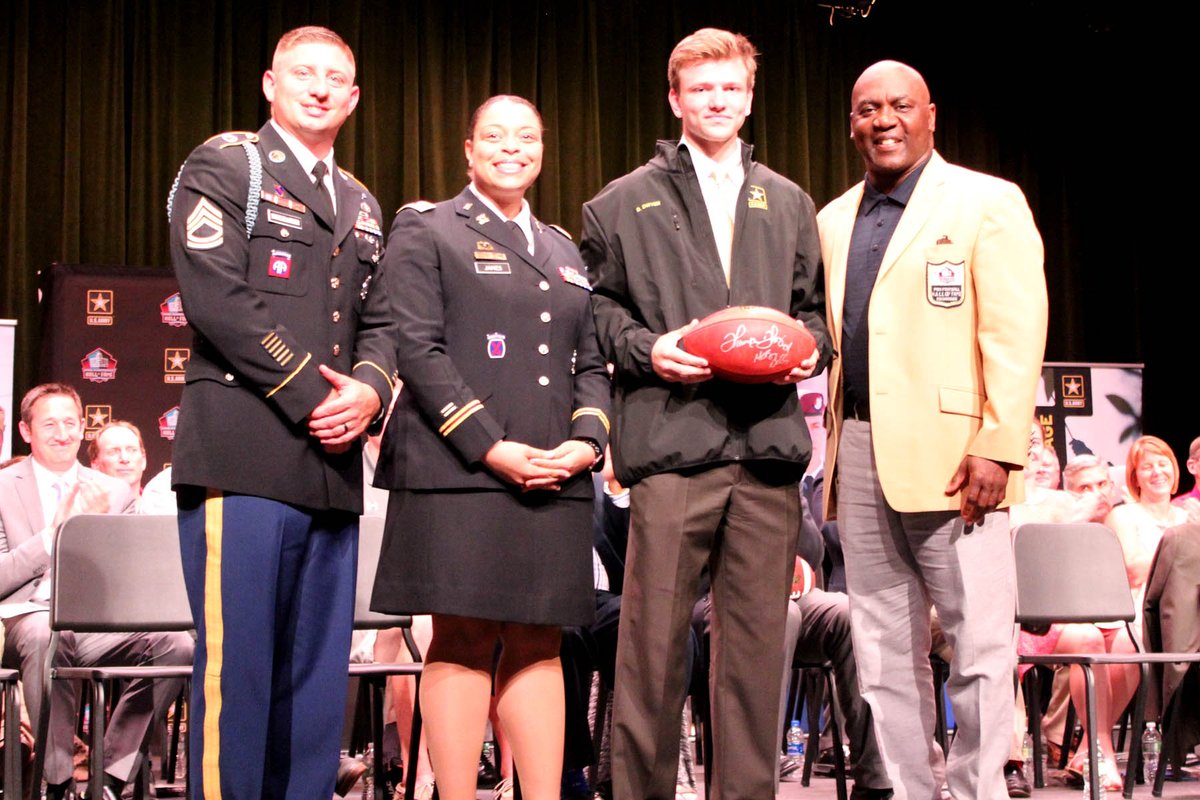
[1070, 573]
[370, 542]
[119, 572]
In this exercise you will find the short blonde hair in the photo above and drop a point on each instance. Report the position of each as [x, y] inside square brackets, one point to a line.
[313, 33]
[1148, 446]
[711, 44]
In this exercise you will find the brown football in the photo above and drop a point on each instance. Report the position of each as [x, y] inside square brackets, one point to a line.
[749, 344]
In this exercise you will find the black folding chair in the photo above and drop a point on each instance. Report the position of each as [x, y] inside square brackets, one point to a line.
[812, 680]
[112, 574]
[370, 541]
[1076, 573]
[12, 733]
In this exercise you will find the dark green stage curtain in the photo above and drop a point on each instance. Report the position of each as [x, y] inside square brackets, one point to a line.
[104, 98]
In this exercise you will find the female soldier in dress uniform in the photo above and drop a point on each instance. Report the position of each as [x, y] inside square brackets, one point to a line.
[487, 454]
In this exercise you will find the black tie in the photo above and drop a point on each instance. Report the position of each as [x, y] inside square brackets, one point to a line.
[519, 235]
[319, 171]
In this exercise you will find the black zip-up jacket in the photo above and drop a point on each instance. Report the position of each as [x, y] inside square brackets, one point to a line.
[653, 260]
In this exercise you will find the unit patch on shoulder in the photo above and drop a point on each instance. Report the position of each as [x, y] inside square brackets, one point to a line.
[574, 277]
[205, 226]
[417, 205]
[495, 345]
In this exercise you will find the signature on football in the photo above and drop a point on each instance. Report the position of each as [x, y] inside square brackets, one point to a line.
[770, 347]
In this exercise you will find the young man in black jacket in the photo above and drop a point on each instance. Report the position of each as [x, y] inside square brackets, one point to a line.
[713, 466]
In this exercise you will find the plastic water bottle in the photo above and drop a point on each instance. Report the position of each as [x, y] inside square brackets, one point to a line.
[1045, 756]
[1027, 757]
[795, 741]
[1151, 750]
[1087, 777]
[368, 778]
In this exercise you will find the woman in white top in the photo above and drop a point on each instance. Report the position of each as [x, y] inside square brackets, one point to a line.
[1152, 476]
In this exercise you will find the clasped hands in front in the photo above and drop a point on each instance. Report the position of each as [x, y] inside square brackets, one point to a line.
[533, 468]
[344, 414]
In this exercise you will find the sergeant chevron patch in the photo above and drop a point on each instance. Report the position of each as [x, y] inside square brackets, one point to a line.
[205, 227]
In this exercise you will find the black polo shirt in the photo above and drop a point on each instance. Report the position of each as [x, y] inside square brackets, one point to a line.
[878, 216]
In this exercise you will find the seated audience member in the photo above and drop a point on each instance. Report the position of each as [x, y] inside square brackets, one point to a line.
[1048, 471]
[1190, 500]
[1172, 624]
[818, 629]
[36, 496]
[1043, 502]
[1086, 480]
[158, 497]
[1151, 477]
[118, 451]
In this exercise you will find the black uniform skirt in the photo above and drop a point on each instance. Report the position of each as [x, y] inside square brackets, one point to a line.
[490, 555]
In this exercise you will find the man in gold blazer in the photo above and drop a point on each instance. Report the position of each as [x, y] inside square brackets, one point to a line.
[937, 305]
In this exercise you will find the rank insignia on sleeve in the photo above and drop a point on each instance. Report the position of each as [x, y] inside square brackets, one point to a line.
[495, 345]
[573, 277]
[280, 265]
[205, 226]
[757, 197]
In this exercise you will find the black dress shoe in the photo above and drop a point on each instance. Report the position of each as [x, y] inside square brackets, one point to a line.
[1015, 782]
[348, 774]
[867, 793]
